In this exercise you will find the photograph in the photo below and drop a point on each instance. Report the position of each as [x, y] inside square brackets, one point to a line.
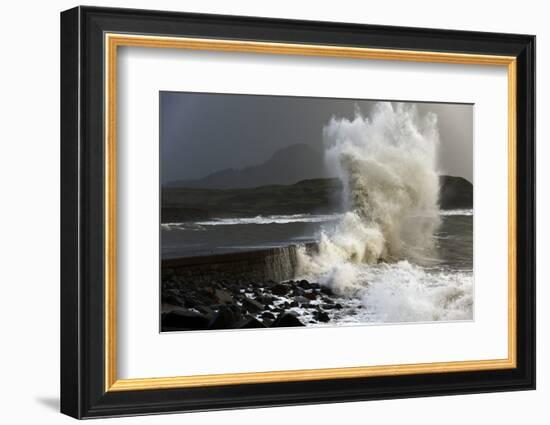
[283, 211]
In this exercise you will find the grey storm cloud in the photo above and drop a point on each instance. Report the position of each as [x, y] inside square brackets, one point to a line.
[202, 133]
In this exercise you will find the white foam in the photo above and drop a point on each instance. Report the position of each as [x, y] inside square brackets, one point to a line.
[403, 292]
[270, 219]
[466, 212]
[387, 164]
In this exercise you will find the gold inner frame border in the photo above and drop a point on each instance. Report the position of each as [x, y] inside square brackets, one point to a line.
[111, 43]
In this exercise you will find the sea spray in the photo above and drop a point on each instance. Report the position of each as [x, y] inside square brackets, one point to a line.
[387, 164]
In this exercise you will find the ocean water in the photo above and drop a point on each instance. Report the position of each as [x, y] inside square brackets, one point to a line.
[240, 234]
[436, 287]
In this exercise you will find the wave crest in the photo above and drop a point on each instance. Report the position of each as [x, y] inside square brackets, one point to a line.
[387, 165]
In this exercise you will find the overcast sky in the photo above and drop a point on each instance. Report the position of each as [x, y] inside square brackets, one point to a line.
[203, 133]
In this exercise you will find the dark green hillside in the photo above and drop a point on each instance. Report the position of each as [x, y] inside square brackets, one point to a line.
[455, 193]
[307, 196]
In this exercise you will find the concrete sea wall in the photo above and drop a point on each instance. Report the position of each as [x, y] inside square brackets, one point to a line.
[277, 264]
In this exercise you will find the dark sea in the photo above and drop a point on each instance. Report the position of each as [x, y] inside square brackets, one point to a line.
[438, 286]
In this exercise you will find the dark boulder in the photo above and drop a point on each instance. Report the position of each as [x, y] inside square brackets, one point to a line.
[206, 310]
[250, 323]
[252, 306]
[310, 296]
[286, 320]
[170, 296]
[265, 299]
[304, 284]
[300, 300]
[321, 316]
[223, 297]
[297, 291]
[206, 296]
[268, 315]
[182, 319]
[280, 289]
[226, 318]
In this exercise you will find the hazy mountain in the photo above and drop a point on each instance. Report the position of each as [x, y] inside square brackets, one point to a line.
[286, 166]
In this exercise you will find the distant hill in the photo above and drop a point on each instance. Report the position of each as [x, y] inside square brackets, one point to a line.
[307, 196]
[455, 193]
[286, 166]
[181, 204]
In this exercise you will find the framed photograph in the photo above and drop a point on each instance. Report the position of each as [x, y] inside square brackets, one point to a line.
[261, 212]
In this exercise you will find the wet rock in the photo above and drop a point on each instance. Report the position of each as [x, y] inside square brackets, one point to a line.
[294, 304]
[206, 296]
[223, 296]
[321, 316]
[206, 310]
[304, 284]
[191, 302]
[252, 306]
[310, 296]
[280, 289]
[297, 292]
[301, 300]
[265, 299]
[250, 323]
[171, 297]
[287, 320]
[183, 319]
[226, 318]
[167, 308]
[268, 315]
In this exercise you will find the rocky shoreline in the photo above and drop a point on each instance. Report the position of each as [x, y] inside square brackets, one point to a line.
[236, 305]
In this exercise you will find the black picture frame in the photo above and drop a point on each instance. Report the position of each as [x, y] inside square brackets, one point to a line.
[83, 392]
